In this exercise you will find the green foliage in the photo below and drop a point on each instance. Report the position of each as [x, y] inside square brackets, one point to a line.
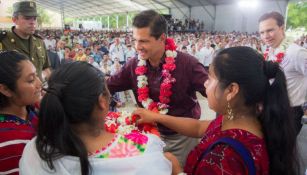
[9, 11]
[43, 17]
[122, 20]
[297, 15]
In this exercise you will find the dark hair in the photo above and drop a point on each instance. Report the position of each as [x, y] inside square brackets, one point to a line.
[73, 92]
[10, 71]
[153, 20]
[247, 67]
[274, 15]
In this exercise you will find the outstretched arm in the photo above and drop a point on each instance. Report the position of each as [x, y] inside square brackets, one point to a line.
[185, 126]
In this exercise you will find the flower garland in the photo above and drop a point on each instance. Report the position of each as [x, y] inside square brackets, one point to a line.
[125, 123]
[279, 57]
[166, 85]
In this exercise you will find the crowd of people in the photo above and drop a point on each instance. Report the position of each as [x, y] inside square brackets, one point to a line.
[56, 89]
[187, 25]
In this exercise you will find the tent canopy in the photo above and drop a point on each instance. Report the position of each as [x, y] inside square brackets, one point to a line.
[82, 8]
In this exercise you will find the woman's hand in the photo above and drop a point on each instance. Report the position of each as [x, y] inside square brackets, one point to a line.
[176, 168]
[146, 116]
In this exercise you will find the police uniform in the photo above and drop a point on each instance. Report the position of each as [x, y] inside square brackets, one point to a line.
[33, 47]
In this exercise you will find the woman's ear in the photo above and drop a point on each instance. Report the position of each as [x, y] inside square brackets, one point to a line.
[103, 103]
[5, 91]
[232, 91]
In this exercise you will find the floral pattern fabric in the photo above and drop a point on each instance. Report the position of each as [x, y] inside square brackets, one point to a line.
[223, 159]
[129, 145]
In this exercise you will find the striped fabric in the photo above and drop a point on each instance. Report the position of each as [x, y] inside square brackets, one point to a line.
[15, 133]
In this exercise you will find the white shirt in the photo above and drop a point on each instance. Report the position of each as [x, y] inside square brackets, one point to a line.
[294, 66]
[50, 42]
[152, 162]
[117, 51]
[130, 53]
[208, 56]
[200, 55]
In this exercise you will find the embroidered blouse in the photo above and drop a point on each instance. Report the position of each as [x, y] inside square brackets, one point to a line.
[223, 159]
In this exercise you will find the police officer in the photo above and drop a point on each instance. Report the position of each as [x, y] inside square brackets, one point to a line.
[22, 37]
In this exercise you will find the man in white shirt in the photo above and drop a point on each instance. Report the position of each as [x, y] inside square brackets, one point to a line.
[208, 55]
[291, 57]
[117, 50]
[130, 52]
[49, 42]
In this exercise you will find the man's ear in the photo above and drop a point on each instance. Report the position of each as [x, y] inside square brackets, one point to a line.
[14, 19]
[232, 91]
[5, 90]
[163, 37]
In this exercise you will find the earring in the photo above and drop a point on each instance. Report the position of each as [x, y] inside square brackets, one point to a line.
[230, 114]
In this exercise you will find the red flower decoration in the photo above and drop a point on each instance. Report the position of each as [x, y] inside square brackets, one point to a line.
[152, 106]
[112, 128]
[142, 97]
[164, 99]
[166, 85]
[170, 44]
[141, 70]
[166, 93]
[137, 137]
[113, 115]
[169, 67]
[279, 57]
[265, 55]
[143, 90]
[170, 60]
[114, 124]
[134, 118]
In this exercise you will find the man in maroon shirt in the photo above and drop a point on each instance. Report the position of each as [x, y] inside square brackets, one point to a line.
[149, 33]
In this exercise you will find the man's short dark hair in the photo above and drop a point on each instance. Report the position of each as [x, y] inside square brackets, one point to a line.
[274, 15]
[153, 20]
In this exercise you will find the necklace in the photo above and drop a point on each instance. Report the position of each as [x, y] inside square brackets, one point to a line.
[279, 57]
[125, 123]
[167, 82]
